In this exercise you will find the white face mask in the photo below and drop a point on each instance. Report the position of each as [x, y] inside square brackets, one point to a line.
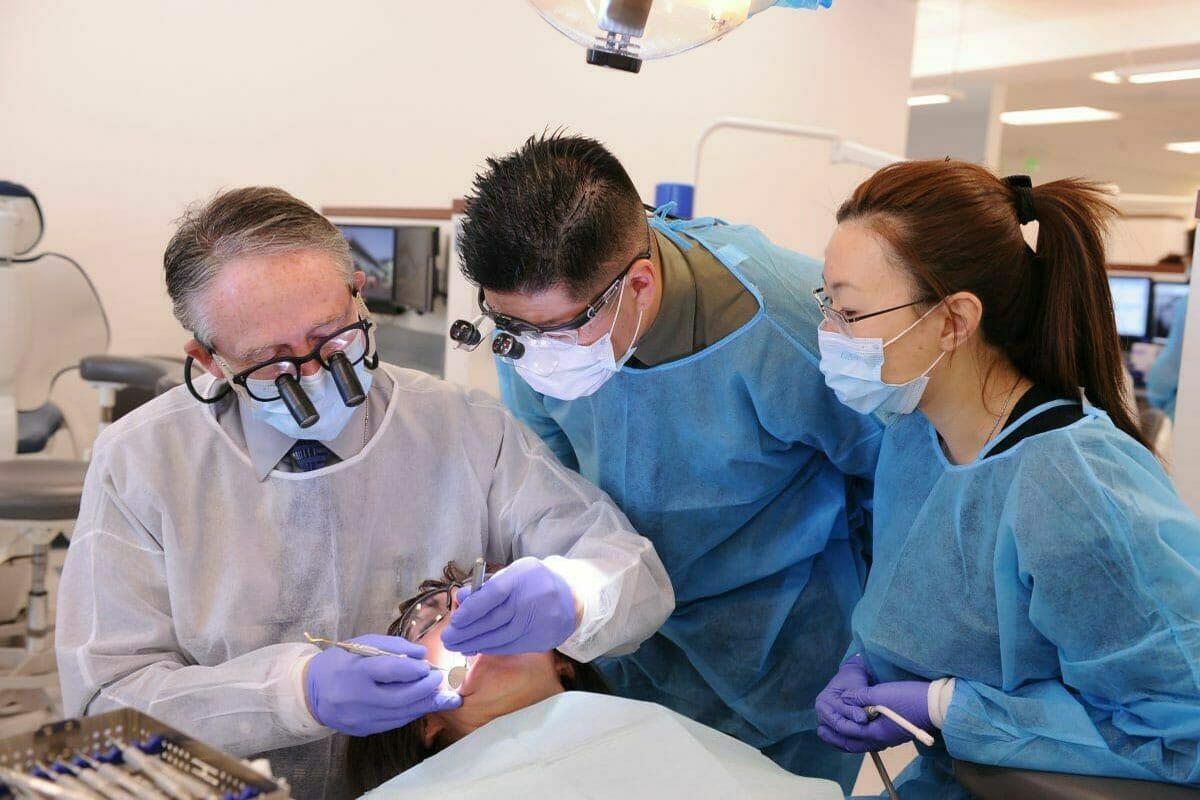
[853, 369]
[581, 369]
[322, 392]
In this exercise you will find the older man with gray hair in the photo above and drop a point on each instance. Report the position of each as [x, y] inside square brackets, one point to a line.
[304, 486]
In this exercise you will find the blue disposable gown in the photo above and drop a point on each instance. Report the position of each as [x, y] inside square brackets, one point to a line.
[1162, 384]
[1059, 583]
[734, 462]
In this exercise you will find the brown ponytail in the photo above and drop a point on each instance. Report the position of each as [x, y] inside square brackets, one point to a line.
[955, 226]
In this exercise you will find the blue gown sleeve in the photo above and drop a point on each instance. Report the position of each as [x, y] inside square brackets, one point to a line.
[1105, 565]
[526, 405]
[795, 404]
[1162, 384]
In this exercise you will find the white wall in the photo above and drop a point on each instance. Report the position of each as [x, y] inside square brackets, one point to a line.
[119, 113]
[1145, 240]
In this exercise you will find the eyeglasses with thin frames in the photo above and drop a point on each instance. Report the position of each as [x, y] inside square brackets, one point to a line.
[840, 320]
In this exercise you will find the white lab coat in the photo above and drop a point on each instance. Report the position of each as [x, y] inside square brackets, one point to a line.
[583, 746]
[189, 584]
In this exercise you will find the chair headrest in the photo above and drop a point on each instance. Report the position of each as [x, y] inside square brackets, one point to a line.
[15, 197]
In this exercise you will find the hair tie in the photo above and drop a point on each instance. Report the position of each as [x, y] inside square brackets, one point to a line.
[1023, 186]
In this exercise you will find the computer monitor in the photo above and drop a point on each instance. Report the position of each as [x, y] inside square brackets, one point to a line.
[399, 262]
[1131, 302]
[1168, 295]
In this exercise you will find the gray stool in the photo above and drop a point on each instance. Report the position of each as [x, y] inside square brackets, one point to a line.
[39, 499]
[987, 782]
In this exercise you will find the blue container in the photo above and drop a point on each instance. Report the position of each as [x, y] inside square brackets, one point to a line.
[682, 193]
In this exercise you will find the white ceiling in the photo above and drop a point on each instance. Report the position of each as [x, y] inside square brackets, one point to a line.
[949, 17]
[1129, 151]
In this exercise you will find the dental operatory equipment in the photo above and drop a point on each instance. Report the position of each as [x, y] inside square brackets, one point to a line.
[125, 754]
[921, 736]
[622, 33]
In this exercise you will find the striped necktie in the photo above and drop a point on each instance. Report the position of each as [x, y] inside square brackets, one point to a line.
[308, 455]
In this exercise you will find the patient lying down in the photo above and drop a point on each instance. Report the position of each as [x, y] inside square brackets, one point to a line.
[495, 685]
[544, 722]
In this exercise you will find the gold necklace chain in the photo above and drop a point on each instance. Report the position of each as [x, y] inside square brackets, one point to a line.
[1002, 413]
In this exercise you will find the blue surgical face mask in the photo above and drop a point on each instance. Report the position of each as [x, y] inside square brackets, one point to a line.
[322, 391]
[580, 369]
[853, 369]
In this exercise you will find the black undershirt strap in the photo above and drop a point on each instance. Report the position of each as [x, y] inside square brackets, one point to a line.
[1049, 420]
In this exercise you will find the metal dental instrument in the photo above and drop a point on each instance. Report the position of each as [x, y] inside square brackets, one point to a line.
[140, 762]
[67, 781]
[456, 675]
[195, 787]
[923, 737]
[39, 787]
[353, 647]
[122, 778]
[477, 574]
[883, 774]
[96, 783]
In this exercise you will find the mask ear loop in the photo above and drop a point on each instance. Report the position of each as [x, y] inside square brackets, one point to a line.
[633, 341]
[921, 319]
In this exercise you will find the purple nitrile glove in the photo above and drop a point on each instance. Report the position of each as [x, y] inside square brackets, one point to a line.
[831, 708]
[524, 608]
[909, 699]
[360, 695]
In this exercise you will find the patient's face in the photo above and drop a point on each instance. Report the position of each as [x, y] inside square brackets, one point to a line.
[495, 685]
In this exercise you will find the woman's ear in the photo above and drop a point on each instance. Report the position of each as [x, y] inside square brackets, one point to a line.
[431, 726]
[964, 313]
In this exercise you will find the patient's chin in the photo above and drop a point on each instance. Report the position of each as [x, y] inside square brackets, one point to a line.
[492, 677]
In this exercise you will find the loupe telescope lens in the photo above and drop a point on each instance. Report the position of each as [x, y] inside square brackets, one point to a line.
[506, 345]
[297, 401]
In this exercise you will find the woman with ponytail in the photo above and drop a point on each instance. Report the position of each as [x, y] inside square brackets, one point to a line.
[1034, 594]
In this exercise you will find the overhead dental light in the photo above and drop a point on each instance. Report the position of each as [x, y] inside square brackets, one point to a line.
[622, 33]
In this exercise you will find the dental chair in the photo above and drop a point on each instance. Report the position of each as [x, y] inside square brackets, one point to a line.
[51, 322]
[1001, 783]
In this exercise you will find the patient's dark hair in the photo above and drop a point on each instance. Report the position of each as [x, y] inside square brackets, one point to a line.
[372, 760]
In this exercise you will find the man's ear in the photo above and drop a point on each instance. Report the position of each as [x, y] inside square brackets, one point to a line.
[199, 352]
[964, 314]
[645, 281]
[360, 279]
[431, 727]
